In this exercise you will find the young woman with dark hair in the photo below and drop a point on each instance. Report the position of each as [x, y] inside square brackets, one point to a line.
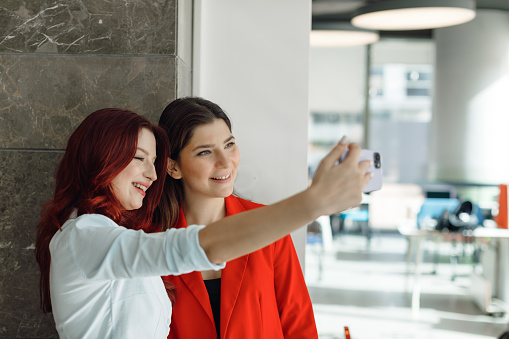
[260, 295]
[100, 269]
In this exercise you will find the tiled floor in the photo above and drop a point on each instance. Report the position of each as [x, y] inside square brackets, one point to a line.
[366, 289]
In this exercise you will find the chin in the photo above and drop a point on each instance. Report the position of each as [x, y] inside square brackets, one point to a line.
[222, 194]
[136, 206]
[227, 194]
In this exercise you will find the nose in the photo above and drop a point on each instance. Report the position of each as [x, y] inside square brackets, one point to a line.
[150, 172]
[222, 160]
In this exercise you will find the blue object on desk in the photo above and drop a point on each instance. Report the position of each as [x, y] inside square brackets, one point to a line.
[360, 215]
[355, 215]
[434, 208]
[314, 239]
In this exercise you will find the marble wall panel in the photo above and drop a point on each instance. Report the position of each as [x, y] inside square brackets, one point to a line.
[20, 316]
[60, 61]
[26, 181]
[44, 97]
[88, 27]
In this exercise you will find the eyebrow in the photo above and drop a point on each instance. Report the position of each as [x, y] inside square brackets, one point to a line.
[212, 145]
[144, 151]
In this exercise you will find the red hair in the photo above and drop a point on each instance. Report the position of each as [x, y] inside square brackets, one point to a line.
[98, 150]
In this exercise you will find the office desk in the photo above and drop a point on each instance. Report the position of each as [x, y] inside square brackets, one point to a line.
[498, 233]
[497, 264]
[416, 237]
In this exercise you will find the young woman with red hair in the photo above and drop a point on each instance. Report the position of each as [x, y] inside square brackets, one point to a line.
[100, 269]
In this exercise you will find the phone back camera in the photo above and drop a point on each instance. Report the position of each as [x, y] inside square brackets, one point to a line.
[377, 160]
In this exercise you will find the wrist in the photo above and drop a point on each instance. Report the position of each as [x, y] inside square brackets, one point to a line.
[311, 206]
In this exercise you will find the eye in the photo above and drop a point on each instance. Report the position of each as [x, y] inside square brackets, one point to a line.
[203, 153]
[230, 144]
[139, 158]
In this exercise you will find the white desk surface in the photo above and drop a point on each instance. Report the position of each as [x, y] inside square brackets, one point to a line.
[485, 232]
[416, 237]
[409, 231]
[479, 232]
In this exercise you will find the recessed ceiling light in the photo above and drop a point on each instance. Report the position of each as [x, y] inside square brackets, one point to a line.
[399, 15]
[341, 34]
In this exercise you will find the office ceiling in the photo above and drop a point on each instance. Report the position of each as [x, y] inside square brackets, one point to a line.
[343, 10]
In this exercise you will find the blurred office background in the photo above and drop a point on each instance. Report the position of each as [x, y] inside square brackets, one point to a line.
[433, 102]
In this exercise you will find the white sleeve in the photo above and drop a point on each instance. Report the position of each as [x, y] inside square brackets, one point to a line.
[103, 250]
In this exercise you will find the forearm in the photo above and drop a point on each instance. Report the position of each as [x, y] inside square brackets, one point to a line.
[246, 232]
[334, 188]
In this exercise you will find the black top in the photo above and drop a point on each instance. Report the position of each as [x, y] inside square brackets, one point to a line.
[214, 289]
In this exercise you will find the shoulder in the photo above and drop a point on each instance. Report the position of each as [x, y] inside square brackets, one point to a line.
[82, 229]
[87, 224]
[93, 220]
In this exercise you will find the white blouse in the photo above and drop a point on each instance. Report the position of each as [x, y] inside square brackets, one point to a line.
[105, 279]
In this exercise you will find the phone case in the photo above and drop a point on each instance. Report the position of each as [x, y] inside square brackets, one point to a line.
[376, 182]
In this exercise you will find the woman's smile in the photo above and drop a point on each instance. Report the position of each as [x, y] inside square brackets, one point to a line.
[223, 179]
[208, 164]
[141, 188]
[131, 184]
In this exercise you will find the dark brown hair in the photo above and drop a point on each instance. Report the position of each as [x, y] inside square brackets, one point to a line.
[179, 119]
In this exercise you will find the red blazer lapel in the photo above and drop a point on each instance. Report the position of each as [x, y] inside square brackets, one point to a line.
[233, 273]
[194, 280]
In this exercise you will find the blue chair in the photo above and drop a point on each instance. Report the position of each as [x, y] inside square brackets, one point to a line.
[433, 208]
[359, 215]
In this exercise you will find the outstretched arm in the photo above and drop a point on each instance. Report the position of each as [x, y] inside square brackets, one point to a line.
[335, 188]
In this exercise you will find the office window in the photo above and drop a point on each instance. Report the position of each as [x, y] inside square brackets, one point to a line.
[399, 91]
[337, 96]
[400, 103]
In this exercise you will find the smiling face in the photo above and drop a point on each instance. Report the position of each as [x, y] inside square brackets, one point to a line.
[131, 183]
[208, 163]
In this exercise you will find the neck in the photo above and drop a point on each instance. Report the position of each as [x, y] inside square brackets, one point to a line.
[204, 211]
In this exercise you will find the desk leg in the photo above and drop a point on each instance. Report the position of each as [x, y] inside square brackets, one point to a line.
[416, 293]
[409, 253]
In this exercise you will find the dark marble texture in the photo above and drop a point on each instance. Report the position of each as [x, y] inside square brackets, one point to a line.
[88, 27]
[20, 316]
[26, 179]
[60, 61]
[44, 97]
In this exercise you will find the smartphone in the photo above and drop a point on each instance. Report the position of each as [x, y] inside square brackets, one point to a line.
[376, 182]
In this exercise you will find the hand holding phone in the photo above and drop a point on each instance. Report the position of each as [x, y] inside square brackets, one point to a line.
[376, 168]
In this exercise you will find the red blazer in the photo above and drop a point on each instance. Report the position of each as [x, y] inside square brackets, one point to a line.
[263, 294]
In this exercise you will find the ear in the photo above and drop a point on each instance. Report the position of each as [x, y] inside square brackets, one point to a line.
[173, 169]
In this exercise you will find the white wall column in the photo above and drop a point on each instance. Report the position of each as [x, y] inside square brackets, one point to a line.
[471, 110]
[251, 58]
[471, 101]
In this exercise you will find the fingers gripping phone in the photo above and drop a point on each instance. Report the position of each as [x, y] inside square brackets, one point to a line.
[376, 168]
